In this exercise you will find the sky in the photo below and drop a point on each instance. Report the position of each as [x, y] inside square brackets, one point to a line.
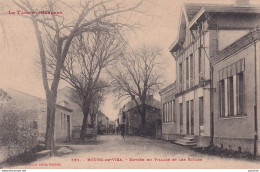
[18, 48]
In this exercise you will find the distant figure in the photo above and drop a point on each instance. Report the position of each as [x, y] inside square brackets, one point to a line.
[117, 130]
[122, 126]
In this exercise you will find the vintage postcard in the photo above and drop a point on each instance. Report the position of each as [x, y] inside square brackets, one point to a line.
[130, 84]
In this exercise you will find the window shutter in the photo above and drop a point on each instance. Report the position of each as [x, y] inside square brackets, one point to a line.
[240, 65]
[220, 74]
[225, 73]
[232, 69]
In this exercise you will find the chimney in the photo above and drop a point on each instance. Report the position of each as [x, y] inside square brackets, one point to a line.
[242, 3]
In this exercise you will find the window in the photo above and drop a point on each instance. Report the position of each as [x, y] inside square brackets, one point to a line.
[187, 72]
[231, 95]
[240, 93]
[180, 77]
[191, 66]
[168, 111]
[180, 72]
[222, 97]
[191, 70]
[164, 112]
[173, 111]
[181, 114]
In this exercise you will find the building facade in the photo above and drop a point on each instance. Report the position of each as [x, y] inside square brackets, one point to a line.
[102, 123]
[30, 109]
[217, 66]
[192, 101]
[169, 116]
[23, 119]
[236, 100]
[64, 98]
[133, 121]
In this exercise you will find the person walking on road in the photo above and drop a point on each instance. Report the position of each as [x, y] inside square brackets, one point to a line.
[122, 126]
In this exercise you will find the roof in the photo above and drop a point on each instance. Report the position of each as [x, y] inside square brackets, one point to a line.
[149, 101]
[194, 12]
[223, 9]
[101, 114]
[63, 98]
[24, 97]
[237, 46]
[168, 88]
[63, 108]
[191, 9]
[4, 96]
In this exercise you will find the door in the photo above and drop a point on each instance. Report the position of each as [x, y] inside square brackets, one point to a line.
[192, 116]
[181, 118]
[187, 118]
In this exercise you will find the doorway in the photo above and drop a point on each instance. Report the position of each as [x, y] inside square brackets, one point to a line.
[187, 118]
[192, 116]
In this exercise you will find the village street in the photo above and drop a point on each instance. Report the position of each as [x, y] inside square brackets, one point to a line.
[112, 151]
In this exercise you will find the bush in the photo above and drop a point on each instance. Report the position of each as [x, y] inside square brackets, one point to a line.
[16, 137]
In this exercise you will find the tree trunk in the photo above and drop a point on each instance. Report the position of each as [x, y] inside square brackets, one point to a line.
[51, 97]
[143, 115]
[49, 136]
[93, 117]
[84, 123]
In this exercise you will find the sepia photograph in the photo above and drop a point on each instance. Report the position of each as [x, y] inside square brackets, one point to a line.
[130, 84]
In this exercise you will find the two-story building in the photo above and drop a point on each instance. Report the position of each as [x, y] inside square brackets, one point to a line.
[217, 66]
[192, 101]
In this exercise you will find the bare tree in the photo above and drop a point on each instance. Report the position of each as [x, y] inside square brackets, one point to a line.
[137, 76]
[90, 54]
[77, 17]
[97, 100]
[96, 103]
